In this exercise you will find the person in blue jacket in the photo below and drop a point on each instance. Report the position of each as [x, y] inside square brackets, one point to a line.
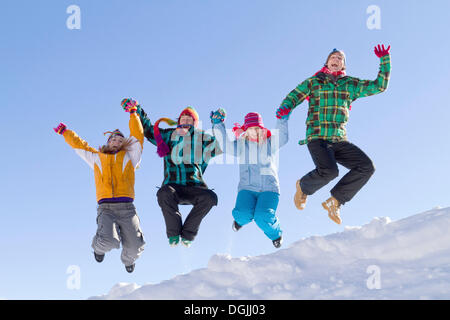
[259, 189]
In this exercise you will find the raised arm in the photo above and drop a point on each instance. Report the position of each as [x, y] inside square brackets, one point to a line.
[81, 147]
[146, 124]
[136, 131]
[365, 88]
[218, 128]
[136, 128]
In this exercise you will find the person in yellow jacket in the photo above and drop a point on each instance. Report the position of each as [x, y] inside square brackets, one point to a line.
[114, 165]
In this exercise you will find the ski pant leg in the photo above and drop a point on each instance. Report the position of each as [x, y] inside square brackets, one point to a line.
[168, 201]
[203, 200]
[131, 234]
[244, 209]
[361, 169]
[265, 214]
[107, 236]
[326, 169]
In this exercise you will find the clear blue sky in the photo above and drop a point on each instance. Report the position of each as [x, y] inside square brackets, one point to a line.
[241, 55]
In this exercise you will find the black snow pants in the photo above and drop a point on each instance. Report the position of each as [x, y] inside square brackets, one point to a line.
[171, 195]
[326, 155]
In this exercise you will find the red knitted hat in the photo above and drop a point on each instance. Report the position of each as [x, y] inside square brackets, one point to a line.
[162, 148]
[190, 112]
[253, 119]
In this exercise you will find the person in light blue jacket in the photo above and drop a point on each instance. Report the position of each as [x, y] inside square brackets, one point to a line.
[257, 149]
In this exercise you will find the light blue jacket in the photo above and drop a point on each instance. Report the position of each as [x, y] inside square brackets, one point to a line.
[258, 164]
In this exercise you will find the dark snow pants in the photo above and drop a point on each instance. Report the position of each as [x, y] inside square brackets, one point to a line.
[326, 155]
[171, 195]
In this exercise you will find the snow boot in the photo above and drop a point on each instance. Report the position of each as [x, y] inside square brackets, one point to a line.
[99, 257]
[333, 207]
[187, 243]
[277, 242]
[236, 226]
[300, 197]
[130, 269]
[173, 241]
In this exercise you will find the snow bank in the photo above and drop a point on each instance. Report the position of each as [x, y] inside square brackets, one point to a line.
[404, 259]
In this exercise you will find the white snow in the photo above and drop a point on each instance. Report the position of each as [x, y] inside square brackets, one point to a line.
[404, 259]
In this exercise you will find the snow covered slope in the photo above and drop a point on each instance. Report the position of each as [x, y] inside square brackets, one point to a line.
[404, 259]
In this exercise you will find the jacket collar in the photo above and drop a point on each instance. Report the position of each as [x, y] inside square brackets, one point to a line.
[324, 77]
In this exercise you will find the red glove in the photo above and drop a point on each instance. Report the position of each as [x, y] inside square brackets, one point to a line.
[381, 51]
[129, 105]
[60, 128]
[283, 112]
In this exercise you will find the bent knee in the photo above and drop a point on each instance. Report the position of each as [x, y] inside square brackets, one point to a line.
[368, 168]
[165, 192]
[329, 173]
[266, 215]
[104, 243]
[210, 197]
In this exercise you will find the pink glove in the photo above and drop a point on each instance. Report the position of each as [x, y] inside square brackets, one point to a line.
[60, 128]
[129, 105]
[381, 51]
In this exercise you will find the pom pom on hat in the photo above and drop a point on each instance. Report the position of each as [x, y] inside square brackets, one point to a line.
[334, 51]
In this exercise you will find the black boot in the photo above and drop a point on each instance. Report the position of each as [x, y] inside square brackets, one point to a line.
[277, 242]
[130, 269]
[236, 226]
[99, 257]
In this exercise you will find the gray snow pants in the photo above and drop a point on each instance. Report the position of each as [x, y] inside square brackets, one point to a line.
[119, 223]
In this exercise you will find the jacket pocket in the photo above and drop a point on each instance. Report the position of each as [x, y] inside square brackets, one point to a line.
[244, 175]
[254, 175]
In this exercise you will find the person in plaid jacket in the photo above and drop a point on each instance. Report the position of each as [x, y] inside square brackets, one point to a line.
[330, 93]
[186, 151]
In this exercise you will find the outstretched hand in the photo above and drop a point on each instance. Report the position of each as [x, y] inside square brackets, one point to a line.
[129, 105]
[283, 112]
[218, 116]
[60, 128]
[380, 51]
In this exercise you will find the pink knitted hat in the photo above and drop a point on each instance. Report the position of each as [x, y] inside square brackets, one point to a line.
[252, 119]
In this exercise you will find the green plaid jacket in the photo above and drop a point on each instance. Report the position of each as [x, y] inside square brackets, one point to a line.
[330, 99]
[189, 155]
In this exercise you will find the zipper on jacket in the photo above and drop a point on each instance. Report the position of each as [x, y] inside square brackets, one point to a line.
[112, 178]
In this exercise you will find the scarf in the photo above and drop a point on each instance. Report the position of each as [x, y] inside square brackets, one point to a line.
[162, 148]
[333, 73]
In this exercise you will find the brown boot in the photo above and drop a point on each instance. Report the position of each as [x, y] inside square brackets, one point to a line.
[300, 197]
[333, 207]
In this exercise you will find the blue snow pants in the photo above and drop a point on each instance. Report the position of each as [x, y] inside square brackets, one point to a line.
[261, 207]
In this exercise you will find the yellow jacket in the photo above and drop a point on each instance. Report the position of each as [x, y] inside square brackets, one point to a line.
[114, 173]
